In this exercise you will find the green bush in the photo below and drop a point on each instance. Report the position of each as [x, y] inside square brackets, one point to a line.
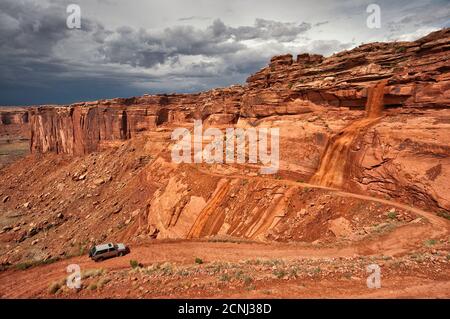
[444, 214]
[279, 273]
[430, 242]
[392, 215]
[247, 280]
[103, 282]
[92, 273]
[198, 261]
[30, 264]
[54, 287]
[24, 266]
[225, 277]
[135, 264]
[92, 286]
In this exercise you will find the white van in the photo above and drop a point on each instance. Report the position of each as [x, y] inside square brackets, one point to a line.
[105, 251]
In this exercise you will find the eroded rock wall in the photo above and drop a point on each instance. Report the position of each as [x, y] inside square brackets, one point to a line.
[311, 98]
[14, 134]
[14, 120]
[417, 75]
[81, 128]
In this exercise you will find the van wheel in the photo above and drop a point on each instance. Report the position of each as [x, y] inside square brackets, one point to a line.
[120, 254]
[99, 259]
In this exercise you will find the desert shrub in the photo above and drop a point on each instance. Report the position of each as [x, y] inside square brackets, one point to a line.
[392, 215]
[183, 272]
[167, 269]
[247, 280]
[103, 282]
[92, 286]
[135, 264]
[430, 242]
[293, 272]
[316, 270]
[30, 264]
[92, 273]
[272, 262]
[444, 214]
[254, 262]
[54, 287]
[23, 266]
[418, 257]
[279, 273]
[198, 261]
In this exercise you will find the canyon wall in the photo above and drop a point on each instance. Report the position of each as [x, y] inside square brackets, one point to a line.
[404, 154]
[80, 128]
[14, 120]
[14, 134]
[417, 75]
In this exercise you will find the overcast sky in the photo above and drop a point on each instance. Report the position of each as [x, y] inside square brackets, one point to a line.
[127, 48]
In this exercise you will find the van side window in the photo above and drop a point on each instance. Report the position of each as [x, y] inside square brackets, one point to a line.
[111, 249]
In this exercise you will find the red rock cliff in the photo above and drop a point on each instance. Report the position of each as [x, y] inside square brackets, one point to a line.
[417, 75]
[14, 121]
[79, 128]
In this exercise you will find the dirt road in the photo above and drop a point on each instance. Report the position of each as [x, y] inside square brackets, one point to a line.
[426, 281]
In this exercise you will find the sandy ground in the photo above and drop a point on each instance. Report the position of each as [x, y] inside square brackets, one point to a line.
[430, 281]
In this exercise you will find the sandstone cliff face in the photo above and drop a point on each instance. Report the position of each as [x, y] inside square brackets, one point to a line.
[14, 121]
[417, 72]
[403, 154]
[80, 128]
[417, 76]
[14, 134]
[11, 116]
[407, 157]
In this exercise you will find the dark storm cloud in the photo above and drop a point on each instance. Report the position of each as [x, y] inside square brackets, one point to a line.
[28, 36]
[146, 49]
[40, 57]
[27, 30]
[31, 72]
[41, 61]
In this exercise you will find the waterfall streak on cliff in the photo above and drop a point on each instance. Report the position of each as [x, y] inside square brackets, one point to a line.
[334, 161]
